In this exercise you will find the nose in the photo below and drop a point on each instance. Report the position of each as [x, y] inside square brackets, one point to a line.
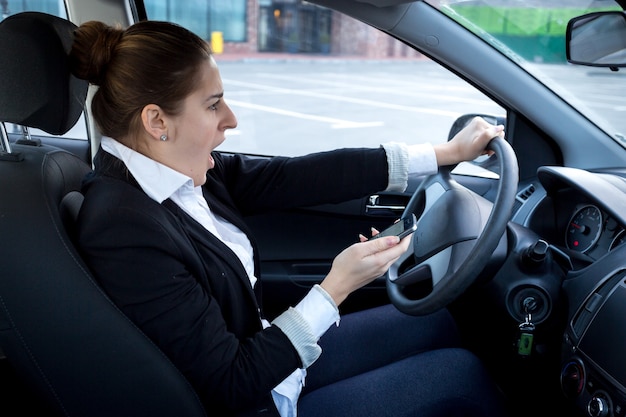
[230, 120]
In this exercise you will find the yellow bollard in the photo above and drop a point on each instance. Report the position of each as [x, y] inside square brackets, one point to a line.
[217, 42]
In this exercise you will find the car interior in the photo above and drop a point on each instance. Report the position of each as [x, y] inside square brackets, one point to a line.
[66, 349]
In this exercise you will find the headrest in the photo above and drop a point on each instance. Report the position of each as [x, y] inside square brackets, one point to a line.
[36, 86]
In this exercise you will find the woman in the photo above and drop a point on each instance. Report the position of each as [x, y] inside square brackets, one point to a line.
[162, 229]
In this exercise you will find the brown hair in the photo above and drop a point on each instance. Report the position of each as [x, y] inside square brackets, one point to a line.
[150, 62]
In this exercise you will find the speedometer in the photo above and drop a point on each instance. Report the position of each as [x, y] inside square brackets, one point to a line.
[584, 229]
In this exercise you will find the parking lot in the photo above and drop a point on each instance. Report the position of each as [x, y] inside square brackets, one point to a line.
[344, 102]
[352, 102]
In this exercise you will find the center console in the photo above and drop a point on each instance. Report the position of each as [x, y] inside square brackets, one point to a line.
[593, 374]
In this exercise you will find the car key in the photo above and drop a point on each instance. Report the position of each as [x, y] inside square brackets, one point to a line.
[526, 336]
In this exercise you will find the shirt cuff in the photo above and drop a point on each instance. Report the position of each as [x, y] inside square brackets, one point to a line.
[405, 159]
[307, 322]
[319, 310]
[398, 163]
[422, 159]
[299, 333]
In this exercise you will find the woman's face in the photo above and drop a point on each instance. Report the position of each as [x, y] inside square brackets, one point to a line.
[200, 127]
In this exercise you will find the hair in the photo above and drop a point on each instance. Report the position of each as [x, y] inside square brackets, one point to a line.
[150, 62]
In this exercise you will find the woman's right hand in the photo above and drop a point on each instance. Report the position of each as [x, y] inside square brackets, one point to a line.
[361, 263]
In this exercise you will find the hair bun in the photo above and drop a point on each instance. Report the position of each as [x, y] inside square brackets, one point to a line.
[92, 50]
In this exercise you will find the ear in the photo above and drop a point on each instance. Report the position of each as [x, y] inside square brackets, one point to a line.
[154, 121]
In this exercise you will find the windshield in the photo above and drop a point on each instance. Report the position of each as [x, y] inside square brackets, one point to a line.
[532, 33]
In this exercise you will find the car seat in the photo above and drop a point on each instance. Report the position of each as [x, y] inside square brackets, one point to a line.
[58, 330]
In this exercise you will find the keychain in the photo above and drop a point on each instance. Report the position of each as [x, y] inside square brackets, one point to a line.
[526, 328]
[526, 335]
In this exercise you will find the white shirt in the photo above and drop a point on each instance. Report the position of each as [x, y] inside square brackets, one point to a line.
[312, 316]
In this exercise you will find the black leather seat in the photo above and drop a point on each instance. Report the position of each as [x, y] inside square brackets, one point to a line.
[58, 330]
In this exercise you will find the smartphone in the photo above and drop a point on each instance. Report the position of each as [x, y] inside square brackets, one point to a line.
[402, 228]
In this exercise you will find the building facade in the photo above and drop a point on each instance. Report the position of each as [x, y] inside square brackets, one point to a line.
[283, 26]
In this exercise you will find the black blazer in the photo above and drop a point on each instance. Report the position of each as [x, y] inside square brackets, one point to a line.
[187, 290]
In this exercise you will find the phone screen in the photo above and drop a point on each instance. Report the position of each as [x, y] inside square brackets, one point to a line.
[402, 228]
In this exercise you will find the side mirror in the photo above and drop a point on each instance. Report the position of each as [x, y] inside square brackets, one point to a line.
[597, 39]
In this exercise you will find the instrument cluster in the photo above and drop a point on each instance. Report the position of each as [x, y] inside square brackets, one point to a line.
[593, 232]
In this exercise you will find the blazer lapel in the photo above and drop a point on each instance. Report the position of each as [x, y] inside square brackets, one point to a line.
[202, 237]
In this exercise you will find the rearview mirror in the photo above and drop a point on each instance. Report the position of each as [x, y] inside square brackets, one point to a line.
[597, 39]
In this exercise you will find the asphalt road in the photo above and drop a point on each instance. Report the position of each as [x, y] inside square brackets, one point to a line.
[293, 108]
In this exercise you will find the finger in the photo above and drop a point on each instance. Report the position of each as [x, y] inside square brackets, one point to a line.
[386, 251]
[375, 246]
[501, 131]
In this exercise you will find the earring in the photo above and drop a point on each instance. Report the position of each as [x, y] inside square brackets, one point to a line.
[163, 137]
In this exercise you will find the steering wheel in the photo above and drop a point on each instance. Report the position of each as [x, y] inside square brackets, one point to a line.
[457, 232]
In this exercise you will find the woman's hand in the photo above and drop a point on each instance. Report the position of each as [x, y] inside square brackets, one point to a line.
[469, 143]
[361, 263]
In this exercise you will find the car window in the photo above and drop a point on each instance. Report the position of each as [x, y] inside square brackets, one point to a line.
[302, 79]
[53, 7]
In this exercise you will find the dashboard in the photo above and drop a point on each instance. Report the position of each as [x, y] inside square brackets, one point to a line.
[582, 215]
[580, 212]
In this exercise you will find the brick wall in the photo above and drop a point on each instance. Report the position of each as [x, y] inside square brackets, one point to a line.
[250, 46]
[354, 38]
[349, 38]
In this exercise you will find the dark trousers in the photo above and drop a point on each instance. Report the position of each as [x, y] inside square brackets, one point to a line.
[381, 362]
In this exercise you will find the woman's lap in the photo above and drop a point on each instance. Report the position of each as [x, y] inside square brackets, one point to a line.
[443, 382]
[381, 362]
[373, 338]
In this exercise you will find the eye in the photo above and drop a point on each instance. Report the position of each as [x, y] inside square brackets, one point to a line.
[214, 105]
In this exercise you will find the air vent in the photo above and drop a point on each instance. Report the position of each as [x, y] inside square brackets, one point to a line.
[522, 197]
[525, 194]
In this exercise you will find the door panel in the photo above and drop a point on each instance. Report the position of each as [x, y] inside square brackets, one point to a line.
[297, 248]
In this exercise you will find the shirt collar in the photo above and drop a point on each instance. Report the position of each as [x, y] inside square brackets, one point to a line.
[158, 181]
